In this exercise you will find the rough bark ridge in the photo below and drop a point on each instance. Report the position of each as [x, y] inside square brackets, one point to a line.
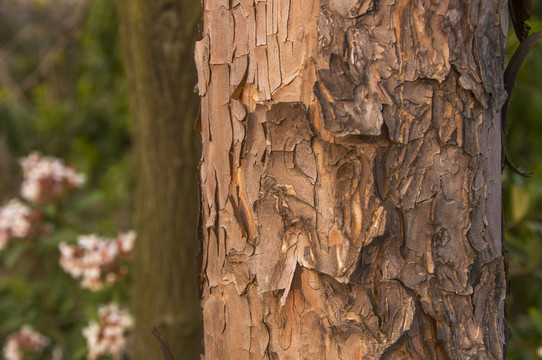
[351, 179]
[157, 39]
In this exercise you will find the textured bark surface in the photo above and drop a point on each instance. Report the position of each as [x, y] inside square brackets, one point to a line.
[351, 179]
[157, 39]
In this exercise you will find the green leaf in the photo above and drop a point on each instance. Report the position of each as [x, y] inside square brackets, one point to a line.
[519, 201]
[13, 254]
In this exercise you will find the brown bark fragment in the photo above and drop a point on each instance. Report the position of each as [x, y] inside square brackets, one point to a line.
[220, 130]
[238, 72]
[273, 59]
[252, 75]
[269, 18]
[246, 6]
[221, 32]
[201, 55]
[351, 8]
[213, 324]
[263, 73]
[283, 16]
[291, 60]
[236, 242]
[208, 178]
[251, 26]
[238, 113]
[275, 18]
[214, 5]
[261, 21]
[241, 33]
[238, 313]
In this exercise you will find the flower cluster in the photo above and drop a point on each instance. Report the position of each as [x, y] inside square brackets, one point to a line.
[47, 178]
[27, 341]
[97, 260]
[17, 221]
[107, 336]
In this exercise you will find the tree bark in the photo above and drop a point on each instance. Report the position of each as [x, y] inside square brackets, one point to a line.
[351, 179]
[157, 39]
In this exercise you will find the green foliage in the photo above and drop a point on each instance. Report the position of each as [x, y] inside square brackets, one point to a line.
[522, 201]
[68, 99]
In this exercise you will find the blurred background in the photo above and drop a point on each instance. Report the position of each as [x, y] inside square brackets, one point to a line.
[63, 93]
[522, 204]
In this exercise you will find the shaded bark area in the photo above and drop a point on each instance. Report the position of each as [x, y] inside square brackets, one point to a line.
[351, 179]
[157, 39]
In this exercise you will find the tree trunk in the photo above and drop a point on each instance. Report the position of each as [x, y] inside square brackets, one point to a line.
[8, 171]
[351, 179]
[158, 38]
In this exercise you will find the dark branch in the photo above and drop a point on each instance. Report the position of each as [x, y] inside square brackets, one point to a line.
[166, 351]
[510, 77]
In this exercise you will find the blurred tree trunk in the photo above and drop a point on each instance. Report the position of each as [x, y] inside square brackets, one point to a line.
[157, 38]
[351, 179]
[8, 172]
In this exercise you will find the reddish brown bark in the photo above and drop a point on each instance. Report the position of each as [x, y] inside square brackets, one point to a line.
[351, 179]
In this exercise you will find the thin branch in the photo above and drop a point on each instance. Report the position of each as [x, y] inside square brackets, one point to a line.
[166, 351]
[53, 53]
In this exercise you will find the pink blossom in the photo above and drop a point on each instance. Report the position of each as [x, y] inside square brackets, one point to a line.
[107, 336]
[17, 221]
[46, 178]
[23, 341]
[97, 260]
[126, 241]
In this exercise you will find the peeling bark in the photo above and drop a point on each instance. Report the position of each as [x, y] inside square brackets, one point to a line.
[350, 179]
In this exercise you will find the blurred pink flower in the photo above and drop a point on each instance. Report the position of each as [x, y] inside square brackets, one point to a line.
[24, 341]
[97, 260]
[17, 221]
[107, 336]
[46, 178]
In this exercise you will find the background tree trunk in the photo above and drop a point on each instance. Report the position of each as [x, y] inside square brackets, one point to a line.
[158, 38]
[351, 179]
[8, 172]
